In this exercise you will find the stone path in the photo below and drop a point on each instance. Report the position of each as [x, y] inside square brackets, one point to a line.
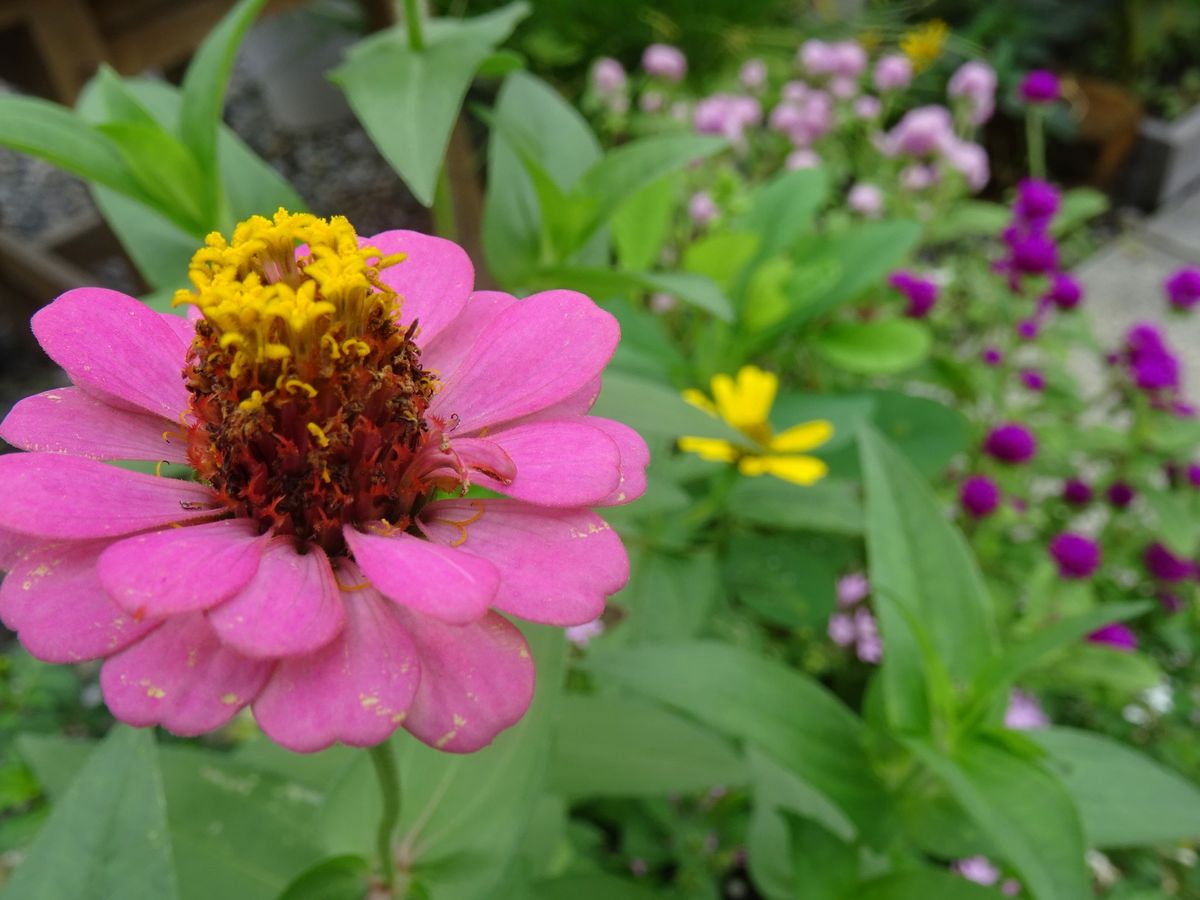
[1124, 280]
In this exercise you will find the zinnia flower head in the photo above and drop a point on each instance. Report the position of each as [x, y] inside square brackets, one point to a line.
[1117, 635]
[1077, 556]
[745, 404]
[1010, 443]
[979, 496]
[665, 62]
[334, 398]
[1040, 86]
[1183, 288]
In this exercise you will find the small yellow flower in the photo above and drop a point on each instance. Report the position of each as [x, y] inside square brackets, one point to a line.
[745, 404]
[924, 45]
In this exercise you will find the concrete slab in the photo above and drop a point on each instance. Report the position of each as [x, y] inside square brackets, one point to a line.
[1176, 229]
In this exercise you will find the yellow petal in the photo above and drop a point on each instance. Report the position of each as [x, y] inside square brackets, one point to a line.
[805, 436]
[745, 403]
[803, 470]
[697, 399]
[712, 449]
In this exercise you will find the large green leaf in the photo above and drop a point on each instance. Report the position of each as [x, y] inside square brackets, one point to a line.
[641, 224]
[830, 505]
[788, 579]
[824, 865]
[203, 91]
[408, 100]
[786, 714]
[592, 887]
[167, 174]
[922, 574]
[668, 597]
[1023, 810]
[619, 747]
[874, 348]
[782, 209]
[1125, 798]
[655, 409]
[107, 835]
[564, 146]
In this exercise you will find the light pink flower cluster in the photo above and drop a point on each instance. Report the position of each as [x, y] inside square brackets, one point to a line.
[853, 625]
[326, 566]
[974, 85]
[665, 62]
[927, 134]
[727, 115]
[803, 115]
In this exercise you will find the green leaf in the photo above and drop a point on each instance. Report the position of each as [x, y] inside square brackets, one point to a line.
[668, 597]
[203, 90]
[565, 147]
[788, 579]
[592, 887]
[408, 101]
[782, 209]
[167, 174]
[874, 348]
[1178, 523]
[1023, 810]
[921, 569]
[968, 219]
[1079, 205]
[721, 256]
[1125, 798]
[792, 718]
[920, 886]
[107, 835]
[599, 282]
[864, 254]
[641, 224]
[618, 747]
[338, 878]
[1086, 666]
[61, 138]
[767, 301]
[830, 505]
[825, 866]
[655, 409]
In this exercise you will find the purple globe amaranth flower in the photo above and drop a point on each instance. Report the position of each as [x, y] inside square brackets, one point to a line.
[922, 293]
[1117, 635]
[1192, 473]
[1170, 602]
[991, 356]
[665, 62]
[1031, 253]
[1065, 292]
[608, 76]
[753, 74]
[1028, 329]
[1076, 555]
[1151, 363]
[1036, 204]
[1010, 443]
[1164, 565]
[921, 132]
[1120, 494]
[893, 72]
[1040, 86]
[702, 209]
[1033, 379]
[979, 496]
[1024, 713]
[974, 83]
[1183, 288]
[1076, 492]
[865, 199]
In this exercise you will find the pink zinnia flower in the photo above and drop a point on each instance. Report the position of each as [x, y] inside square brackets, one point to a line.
[326, 567]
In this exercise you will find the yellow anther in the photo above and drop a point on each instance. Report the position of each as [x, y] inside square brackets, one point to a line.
[253, 403]
[294, 384]
[316, 431]
[354, 345]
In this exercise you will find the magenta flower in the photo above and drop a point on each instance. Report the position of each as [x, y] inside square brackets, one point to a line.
[1077, 556]
[1031, 253]
[1118, 636]
[1036, 204]
[1164, 565]
[893, 72]
[1120, 494]
[1076, 492]
[1183, 288]
[974, 84]
[665, 62]
[1010, 443]
[991, 356]
[979, 496]
[1192, 473]
[922, 293]
[1152, 365]
[1040, 86]
[1065, 292]
[1033, 379]
[326, 567]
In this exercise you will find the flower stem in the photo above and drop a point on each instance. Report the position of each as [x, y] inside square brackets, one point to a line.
[412, 19]
[1035, 142]
[389, 792]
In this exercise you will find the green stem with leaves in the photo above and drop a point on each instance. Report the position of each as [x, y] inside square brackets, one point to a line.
[1035, 140]
[389, 792]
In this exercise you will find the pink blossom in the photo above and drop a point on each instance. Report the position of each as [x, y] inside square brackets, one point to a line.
[893, 72]
[867, 107]
[665, 62]
[728, 115]
[970, 160]
[817, 57]
[922, 132]
[794, 91]
[918, 177]
[652, 101]
[975, 85]
[608, 76]
[661, 302]
[581, 635]
[702, 208]
[849, 59]
[310, 571]
[842, 87]
[753, 74]
[978, 869]
[804, 158]
[842, 630]
[870, 645]
[1024, 713]
[803, 121]
[865, 199]
[853, 588]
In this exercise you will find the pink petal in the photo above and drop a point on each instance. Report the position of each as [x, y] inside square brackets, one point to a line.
[479, 455]
[12, 545]
[557, 566]
[113, 345]
[433, 282]
[355, 689]
[184, 326]
[69, 497]
[178, 570]
[534, 354]
[635, 456]
[53, 599]
[445, 353]
[437, 581]
[68, 420]
[291, 607]
[181, 677]
[559, 462]
[476, 680]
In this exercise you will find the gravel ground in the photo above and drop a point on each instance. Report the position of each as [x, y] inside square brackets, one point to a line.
[334, 167]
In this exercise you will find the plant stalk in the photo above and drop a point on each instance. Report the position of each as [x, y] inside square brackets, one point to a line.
[389, 792]
[412, 20]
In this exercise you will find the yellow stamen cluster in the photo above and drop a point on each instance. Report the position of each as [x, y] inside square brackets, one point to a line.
[269, 304]
[923, 45]
[745, 404]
